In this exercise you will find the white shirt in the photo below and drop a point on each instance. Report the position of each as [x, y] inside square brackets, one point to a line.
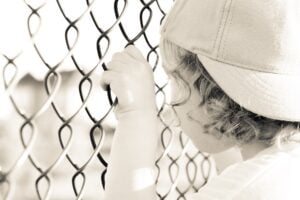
[273, 174]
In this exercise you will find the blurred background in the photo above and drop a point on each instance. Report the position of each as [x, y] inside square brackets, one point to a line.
[56, 124]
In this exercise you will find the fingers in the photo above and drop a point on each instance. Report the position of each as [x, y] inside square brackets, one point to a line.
[130, 53]
[122, 62]
[122, 57]
[135, 53]
[116, 65]
[128, 59]
[107, 78]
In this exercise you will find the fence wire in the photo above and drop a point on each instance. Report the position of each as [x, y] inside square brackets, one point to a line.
[181, 169]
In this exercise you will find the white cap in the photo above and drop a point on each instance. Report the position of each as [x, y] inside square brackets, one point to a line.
[251, 48]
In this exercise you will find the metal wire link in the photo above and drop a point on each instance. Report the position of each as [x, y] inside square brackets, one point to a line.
[181, 169]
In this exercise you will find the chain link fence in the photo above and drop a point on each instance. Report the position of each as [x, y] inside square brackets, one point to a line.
[56, 124]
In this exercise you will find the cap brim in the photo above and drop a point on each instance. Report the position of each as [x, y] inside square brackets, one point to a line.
[276, 96]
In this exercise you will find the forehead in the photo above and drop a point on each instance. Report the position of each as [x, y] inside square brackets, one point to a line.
[181, 74]
[169, 62]
[179, 70]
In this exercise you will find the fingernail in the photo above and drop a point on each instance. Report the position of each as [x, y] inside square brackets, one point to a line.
[130, 46]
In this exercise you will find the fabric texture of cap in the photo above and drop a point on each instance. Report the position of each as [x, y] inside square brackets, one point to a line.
[250, 48]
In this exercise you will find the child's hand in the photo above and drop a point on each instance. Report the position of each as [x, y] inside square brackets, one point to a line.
[131, 79]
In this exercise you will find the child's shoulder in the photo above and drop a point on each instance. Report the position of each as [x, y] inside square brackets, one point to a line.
[270, 175]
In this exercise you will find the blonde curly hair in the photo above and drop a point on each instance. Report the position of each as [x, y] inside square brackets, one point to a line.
[227, 118]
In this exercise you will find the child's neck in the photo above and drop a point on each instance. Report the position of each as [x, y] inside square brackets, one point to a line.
[249, 151]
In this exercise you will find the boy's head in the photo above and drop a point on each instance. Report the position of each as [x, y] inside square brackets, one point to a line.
[250, 49]
[249, 82]
[207, 114]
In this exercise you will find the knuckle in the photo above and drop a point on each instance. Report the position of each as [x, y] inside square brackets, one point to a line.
[134, 51]
[122, 57]
[117, 56]
[113, 65]
[130, 51]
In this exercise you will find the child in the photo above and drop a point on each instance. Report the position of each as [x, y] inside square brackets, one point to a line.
[241, 62]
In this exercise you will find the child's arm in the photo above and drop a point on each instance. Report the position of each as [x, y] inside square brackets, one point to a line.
[130, 173]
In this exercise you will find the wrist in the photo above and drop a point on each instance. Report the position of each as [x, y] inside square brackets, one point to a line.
[137, 132]
[141, 123]
[137, 114]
